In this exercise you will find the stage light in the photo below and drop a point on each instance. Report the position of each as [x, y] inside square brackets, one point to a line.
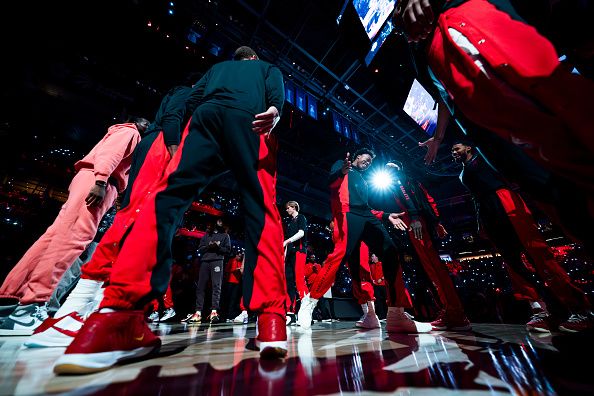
[381, 180]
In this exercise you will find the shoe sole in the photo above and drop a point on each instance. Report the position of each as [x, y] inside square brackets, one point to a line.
[23, 332]
[272, 349]
[43, 341]
[460, 328]
[363, 326]
[566, 330]
[87, 363]
[537, 329]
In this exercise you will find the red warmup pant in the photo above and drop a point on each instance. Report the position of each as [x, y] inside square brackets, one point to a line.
[434, 268]
[527, 97]
[295, 276]
[543, 259]
[143, 267]
[149, 172]
[35, 276]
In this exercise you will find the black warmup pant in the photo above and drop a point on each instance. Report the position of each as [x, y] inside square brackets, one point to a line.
[351, 230]
[231, 299]
[381, 309]
[212, 270]
[291, 280]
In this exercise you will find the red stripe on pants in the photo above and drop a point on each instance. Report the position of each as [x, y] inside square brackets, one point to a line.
[527, 97]
[434, 268]
[300, 259]
[269, 285]
[151, 171]
[545, 264]
[327, 273]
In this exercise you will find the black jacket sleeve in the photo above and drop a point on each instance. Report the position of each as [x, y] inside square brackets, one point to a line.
[197, 93]
[275, 88]
[335, 172]
[171, 122]
[225, 246]
[203, 246]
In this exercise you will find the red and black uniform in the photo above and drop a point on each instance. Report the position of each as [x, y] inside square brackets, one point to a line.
[295, 259]
[412, 198]
[148, 165]
[510, 226]
[224, 103]
[355, 221]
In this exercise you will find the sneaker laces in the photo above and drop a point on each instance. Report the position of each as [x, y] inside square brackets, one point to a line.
[41, 312]
[542, 315]
[576, 318]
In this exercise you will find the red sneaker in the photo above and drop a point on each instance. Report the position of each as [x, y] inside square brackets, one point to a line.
[577, 323]
[539, 322]
[454, 321]
[106, 339]
[272, 336]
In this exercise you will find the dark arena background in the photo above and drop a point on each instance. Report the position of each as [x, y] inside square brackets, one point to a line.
[351, 80]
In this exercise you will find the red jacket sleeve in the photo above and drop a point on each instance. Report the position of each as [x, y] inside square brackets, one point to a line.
[430, 200]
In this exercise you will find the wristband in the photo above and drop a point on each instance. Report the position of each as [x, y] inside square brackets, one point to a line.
[100, 183]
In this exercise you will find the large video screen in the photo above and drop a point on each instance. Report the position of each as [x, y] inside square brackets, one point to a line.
[373, 14]
[421, 107]
[377, 43]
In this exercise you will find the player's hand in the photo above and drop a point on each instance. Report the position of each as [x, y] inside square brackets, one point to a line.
[397, 222]
[432, 148]
[441, 231]
[346, 164]
[96, 195]
[417, 229]
[417, 17]
[172, 149]
[265, 122]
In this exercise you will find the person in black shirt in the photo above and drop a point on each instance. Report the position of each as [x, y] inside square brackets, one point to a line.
[510, 226]
[355, 221]
[295, 245]
[234, 107]
[214, 245]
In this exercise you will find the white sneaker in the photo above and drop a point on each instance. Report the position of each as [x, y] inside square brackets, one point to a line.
[168, 314]
[24, 320]
[154, 316]
[84, 299]
[56, 332]
[242, 318]
[304, 316]
[371, 321]
[365, 309]
[398, 321]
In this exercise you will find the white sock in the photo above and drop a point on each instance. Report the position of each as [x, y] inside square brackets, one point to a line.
[365, 308]
[535, 305]
[371, 306]
[80, 297]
